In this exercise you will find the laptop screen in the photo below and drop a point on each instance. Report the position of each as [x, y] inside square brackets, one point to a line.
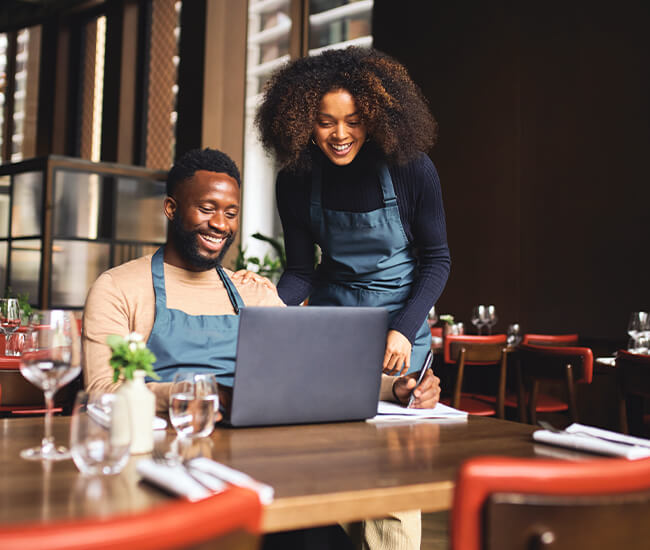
[308, 364]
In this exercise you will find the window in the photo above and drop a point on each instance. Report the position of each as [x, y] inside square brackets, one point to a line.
[19, 73]
[272, 37]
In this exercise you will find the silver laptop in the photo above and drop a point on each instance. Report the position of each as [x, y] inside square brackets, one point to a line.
[308, 364]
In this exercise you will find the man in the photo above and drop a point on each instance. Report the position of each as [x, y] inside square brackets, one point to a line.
[185, 306]
[180, 299]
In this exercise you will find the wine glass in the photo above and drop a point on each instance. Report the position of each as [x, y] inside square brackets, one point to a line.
[193, 404]
[9, 322]
[638, 324]
[51, 359]
[100, 433]
[478, 317]
[432, 316]
[514, 335]
[490, 317]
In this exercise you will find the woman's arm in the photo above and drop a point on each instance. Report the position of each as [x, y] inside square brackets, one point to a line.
[292, 195]
[420, 188]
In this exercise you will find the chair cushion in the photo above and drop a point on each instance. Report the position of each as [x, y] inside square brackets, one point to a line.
[473, 405]
[545, 402]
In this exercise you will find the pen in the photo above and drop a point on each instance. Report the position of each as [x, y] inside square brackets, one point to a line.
[427, 364]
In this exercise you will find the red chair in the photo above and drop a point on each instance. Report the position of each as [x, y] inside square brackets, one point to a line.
[518, 504]
[551, 339]
[556, 364]
[633, 377]
[232, 518]
[476, 351]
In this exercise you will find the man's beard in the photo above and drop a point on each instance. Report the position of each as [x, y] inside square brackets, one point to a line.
[187, 245]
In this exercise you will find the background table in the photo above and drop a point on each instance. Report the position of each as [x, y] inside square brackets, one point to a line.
[322, 474]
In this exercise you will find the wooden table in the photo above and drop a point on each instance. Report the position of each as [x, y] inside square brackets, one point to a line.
[322, 474]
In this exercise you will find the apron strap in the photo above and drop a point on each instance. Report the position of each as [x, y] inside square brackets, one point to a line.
[387, 188]
[158, 276]
[235, 299]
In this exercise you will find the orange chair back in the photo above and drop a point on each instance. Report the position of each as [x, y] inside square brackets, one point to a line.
[517, 504]
[484, 349]
[551, 339]
[232, 518]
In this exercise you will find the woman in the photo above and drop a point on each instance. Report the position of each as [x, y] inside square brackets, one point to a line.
[349, 129]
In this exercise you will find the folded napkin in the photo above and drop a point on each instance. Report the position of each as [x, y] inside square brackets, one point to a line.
[596, 440]
[199, 478]
[176, 479]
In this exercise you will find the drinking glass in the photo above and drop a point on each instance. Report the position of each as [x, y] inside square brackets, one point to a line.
[51, 359]
[478, 317]
[490, 317]
[100, 433]
[637, 324]
[9, 323]
[193, 404]
[432, 317]
[514, 335]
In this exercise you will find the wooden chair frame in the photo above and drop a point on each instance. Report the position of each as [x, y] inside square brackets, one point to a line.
[552, 363]
[478, 350]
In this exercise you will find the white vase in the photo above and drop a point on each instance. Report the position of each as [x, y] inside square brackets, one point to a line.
[142, 409]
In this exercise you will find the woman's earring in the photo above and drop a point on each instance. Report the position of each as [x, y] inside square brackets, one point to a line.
[312, 140]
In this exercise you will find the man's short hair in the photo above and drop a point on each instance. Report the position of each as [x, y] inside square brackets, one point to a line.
[208, 159]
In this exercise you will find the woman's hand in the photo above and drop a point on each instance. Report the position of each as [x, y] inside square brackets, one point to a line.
[245, 276]
[397, 358]
[427, 394]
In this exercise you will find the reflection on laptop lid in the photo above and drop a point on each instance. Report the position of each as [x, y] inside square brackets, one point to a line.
[308, 364]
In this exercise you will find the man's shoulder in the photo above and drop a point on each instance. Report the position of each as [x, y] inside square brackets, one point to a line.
[133, 268]
[127, 275]
[256, 294]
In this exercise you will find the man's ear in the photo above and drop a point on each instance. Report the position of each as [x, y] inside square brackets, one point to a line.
[169, 207]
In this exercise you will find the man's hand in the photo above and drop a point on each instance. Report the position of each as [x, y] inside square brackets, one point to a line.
[244, 276]
[397, 358]
[426, 394]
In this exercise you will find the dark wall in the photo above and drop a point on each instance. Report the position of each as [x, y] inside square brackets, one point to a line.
[543, 152]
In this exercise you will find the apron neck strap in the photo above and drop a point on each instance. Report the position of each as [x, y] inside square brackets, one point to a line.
[233, 295]
[158, 276]
[387, 188]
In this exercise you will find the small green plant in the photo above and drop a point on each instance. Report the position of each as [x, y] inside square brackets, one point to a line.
[129, 354]
[267, 266]
[449, 319]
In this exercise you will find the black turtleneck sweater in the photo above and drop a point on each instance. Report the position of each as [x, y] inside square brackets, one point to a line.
[356, 188]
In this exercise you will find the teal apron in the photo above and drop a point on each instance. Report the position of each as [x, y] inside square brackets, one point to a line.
[367, 259]
[201, 343]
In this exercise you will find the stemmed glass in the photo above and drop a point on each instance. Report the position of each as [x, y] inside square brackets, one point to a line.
[51, 359]
[193, 404]
[432, 316]
[514, 335]
[490, 317]
[638, 328]
[9, 322]
[478, 317]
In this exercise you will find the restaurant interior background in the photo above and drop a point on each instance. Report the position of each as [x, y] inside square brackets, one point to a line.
[544, 132]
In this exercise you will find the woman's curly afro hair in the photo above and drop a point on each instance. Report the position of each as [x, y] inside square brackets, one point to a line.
[391, 106]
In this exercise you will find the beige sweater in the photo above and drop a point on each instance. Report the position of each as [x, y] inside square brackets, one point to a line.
[122, 300]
